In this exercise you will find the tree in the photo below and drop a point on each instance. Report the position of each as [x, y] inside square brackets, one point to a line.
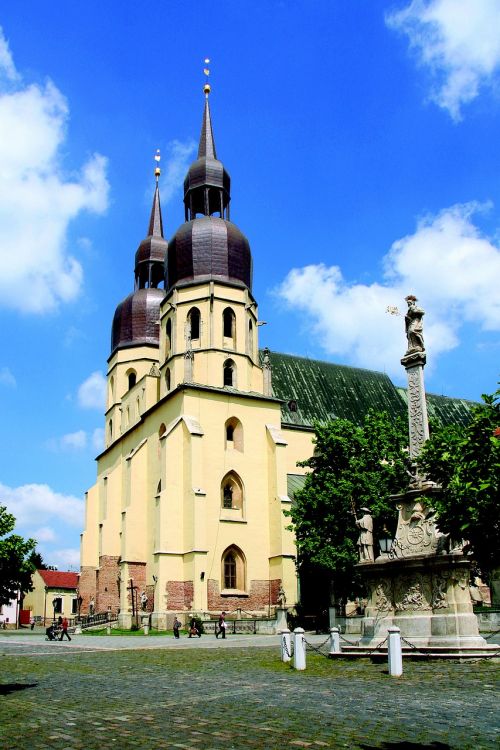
[351, 464]
[15, 568]
[466, 463]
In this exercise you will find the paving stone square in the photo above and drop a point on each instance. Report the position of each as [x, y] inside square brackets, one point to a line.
[217, 695]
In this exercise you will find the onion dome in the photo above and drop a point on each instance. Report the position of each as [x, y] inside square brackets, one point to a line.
[208, 246]
[135, 322]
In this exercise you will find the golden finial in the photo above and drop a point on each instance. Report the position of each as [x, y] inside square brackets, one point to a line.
[206, 70]
[157, 160]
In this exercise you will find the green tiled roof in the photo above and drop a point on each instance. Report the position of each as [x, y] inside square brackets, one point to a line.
[445, 410]
[294, 482]
[324, 391]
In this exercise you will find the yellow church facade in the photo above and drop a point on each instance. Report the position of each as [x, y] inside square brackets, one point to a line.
[188, 505]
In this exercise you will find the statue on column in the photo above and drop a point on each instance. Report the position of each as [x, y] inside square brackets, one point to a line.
[414, 325]
[365, 539]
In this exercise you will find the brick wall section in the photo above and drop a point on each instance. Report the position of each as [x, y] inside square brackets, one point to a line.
[260, 595]
[87, 587]
[108, 594]
[136, 571]
[180, 594]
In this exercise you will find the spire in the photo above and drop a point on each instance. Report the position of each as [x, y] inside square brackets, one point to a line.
[155, 221]
[207, 183]
[206, 149]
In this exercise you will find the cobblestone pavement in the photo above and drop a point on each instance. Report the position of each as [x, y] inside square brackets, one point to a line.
[92, 694]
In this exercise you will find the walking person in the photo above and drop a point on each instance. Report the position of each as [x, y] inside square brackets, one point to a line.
[221, 626]
[176, 626]
[64, 625]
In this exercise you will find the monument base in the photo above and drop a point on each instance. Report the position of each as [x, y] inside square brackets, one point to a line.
[427, 597]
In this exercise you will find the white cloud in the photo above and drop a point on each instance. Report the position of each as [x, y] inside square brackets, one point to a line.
[458, 40]
[34, 504]
[7, 67]
[92, 392]
[44, 534]
[71, 441]
[98, 439]
[37, 201]
[7, 378]
[177, 163]
[76, 440]
[447, 263]
[65, 559]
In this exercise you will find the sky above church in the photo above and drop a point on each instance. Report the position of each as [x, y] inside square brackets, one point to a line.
[362, 142]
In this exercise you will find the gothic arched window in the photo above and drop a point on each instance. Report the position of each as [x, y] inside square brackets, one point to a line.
[194, 323]
[233, 569]
[234, 434]
[229, 327]
[232, 492]
[168, 332]
[229, 373]
[132, 378]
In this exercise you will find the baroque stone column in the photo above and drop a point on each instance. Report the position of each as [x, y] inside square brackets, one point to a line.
[413, 362]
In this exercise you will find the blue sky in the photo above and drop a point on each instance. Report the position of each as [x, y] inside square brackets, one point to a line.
[362, 143]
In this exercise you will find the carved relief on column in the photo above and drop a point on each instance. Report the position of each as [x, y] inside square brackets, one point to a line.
[412, 593]
[417, 409]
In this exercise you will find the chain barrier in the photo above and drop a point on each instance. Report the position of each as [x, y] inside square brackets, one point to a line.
[317, 648]
[377, 648]
[285, 647]
[491, 635]
[351, 643]
[416, 648]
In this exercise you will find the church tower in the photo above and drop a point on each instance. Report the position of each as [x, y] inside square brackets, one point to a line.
[187, 511]
[209, 316]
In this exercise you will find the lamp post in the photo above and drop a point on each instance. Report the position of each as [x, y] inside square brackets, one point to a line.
[54, 605]
[385, 542]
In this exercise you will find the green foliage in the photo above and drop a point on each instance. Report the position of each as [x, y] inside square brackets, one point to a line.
[466, 463]
[15, 567]
[351, 464]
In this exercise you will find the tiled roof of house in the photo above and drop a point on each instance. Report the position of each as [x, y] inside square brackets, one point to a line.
[319, 391]
[59, 579]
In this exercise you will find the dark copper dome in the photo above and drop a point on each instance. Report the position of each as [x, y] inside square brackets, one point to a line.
[210, 172]
[135, 322]
[209, 248]
[136, 318]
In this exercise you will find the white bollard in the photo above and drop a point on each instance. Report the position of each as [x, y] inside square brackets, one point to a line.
[286, 646]
[334, 641]
[108, 629]
[394, 653]
[299, 649]
[146, 629]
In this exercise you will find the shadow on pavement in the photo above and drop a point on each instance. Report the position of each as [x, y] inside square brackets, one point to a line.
[12, 687]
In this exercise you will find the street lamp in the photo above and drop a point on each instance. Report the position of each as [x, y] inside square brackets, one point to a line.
[54, 605]
[385, 541]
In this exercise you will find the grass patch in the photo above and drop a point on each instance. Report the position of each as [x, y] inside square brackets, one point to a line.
[131, 633]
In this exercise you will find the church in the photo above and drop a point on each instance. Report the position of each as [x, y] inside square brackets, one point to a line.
[203, 430]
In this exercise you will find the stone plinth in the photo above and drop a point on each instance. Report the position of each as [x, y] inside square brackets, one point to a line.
[281, 621]
[426, 596]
